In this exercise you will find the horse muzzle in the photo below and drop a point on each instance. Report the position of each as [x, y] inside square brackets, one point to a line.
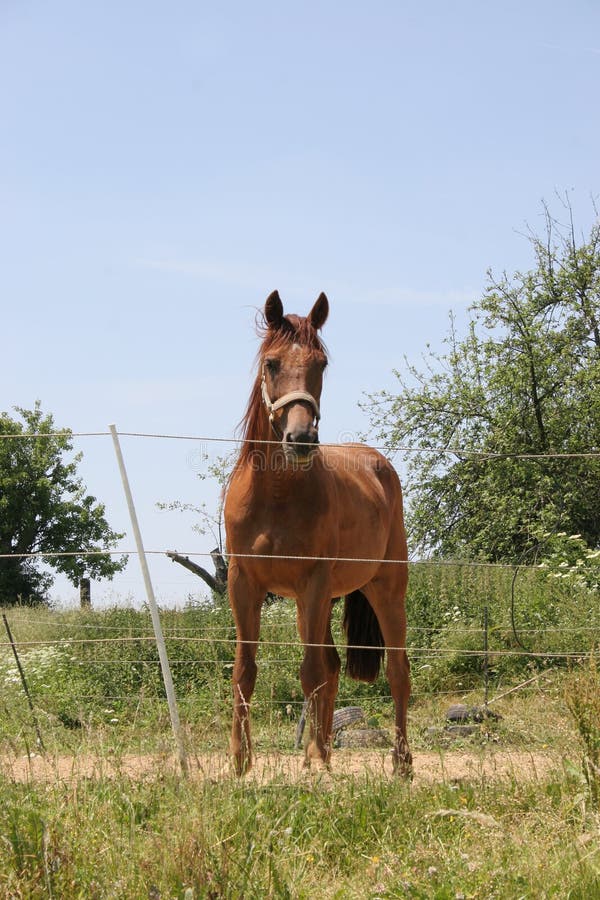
[300, 445]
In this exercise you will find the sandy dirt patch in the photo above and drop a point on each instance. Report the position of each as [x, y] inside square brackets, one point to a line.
[428, 767]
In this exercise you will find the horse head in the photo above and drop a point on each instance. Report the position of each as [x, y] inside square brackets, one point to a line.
[292, 363]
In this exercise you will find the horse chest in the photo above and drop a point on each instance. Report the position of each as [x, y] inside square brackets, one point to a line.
[281, 527]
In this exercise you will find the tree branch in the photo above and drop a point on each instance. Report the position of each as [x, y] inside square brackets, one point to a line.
[217, 583]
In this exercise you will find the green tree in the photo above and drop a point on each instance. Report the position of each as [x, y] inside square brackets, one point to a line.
[44, 508]
[525, 379]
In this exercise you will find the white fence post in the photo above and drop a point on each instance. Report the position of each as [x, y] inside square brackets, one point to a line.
[158, 633]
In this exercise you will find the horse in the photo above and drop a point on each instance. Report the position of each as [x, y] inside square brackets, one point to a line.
[313, 522]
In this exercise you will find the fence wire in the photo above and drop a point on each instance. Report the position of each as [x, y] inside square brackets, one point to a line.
[421, 655]
[431, 652]
[384, 448]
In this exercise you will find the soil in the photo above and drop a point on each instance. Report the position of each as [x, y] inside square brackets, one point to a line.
[428, 767]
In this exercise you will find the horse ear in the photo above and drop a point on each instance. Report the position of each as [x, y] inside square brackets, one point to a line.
[319, 312]
[274, 310]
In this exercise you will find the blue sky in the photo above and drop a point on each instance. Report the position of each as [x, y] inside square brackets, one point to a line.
[163, 167]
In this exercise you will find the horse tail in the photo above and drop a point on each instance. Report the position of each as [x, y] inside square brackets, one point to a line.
[364, 638]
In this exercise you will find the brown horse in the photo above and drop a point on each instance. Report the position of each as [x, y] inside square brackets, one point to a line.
[313, 522]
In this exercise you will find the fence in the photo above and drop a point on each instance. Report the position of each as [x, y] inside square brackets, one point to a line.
[475, 651]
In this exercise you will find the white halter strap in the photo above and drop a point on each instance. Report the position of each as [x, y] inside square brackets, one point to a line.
[292, 397]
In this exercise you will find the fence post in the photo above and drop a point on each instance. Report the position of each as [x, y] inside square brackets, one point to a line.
[158, 632]
[24, 684]
[486, 670]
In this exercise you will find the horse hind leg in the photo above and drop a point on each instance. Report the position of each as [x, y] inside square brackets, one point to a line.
[386, 596]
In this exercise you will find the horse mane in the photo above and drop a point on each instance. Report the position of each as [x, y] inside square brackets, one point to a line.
[293, 330]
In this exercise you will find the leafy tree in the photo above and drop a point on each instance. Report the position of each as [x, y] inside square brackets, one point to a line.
[44, 508]
[525, 379]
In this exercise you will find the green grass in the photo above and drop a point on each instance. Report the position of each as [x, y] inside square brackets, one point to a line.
[348, 837]
[340, 836]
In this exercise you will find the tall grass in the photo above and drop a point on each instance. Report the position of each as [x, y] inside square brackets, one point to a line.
[366, 837]
[535, 620]
[582, 694]
[96, 684]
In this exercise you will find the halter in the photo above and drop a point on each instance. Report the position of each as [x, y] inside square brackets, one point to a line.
[293, 396]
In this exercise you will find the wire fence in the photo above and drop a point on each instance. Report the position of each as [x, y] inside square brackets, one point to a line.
[102, 680]
[284, 557]
[421, 652]
[387, 448]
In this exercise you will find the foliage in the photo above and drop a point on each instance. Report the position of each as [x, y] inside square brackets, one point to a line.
[102, 667]
[523, 380]
[536, 620]
[582, 694]
[44, 508]
[567, 557]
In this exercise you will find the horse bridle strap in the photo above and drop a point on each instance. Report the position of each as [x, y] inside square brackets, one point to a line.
[292, 397]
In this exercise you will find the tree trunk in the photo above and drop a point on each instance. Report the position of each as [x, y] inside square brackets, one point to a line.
[85, 593]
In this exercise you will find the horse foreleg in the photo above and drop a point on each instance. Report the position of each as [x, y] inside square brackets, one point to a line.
[319, 673]
[387, 599]
[246, 600]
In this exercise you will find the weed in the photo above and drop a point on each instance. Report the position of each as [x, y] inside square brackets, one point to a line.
[582, 694]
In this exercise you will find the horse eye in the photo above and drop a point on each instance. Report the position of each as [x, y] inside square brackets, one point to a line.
[272, 365]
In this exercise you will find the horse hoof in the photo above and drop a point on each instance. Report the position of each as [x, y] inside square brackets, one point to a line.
[241, 765]
[403, 766]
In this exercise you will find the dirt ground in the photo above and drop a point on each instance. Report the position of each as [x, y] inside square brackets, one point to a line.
[428, 767]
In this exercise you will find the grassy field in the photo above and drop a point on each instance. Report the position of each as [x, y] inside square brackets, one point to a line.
[348, 837]
[473, 823]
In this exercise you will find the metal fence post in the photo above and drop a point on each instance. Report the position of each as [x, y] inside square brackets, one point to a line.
[158, 632]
